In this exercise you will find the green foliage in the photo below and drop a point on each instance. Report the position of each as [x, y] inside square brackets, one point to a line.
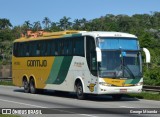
[8, 83]
[3, 115]
[152, 77]
[146, 95]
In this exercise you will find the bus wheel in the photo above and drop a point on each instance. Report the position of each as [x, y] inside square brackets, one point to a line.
[79, 91]
[32, 86]
[117, 96]
[26, 86]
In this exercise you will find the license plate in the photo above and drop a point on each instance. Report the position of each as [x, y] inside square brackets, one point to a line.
[123, 90]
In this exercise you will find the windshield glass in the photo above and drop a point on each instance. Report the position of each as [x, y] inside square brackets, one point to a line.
[118, 43]
[119, 60]
[116, 65]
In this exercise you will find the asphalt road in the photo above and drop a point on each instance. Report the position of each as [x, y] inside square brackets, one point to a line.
[67, 105]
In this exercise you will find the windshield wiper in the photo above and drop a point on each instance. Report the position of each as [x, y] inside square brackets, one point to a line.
[129, 71]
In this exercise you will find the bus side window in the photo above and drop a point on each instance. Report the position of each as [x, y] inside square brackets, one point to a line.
[27, 49]
[49, 48]
[32, 49]
[54, 50]
[70, 44]
[38, 48]
[62, 47]
[15, 49]
[66, 47]
[79, 46]
[43, 48]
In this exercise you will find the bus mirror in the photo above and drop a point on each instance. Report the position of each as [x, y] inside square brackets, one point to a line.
[99, 54]
[148, 56]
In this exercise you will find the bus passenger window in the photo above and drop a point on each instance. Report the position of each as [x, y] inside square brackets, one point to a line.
[56, 47]
[70, 46]
[38, 49]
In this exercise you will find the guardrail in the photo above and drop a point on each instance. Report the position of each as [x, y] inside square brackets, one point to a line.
[151, 88]
[6, 79]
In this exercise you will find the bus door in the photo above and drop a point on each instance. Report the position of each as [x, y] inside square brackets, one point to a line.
[91, 61]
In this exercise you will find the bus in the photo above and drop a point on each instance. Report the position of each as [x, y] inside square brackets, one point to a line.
[95, 62]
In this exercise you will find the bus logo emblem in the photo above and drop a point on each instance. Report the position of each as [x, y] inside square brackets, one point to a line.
[91, 87]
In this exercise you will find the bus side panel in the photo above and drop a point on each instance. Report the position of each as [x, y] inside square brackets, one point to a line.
[34, 67]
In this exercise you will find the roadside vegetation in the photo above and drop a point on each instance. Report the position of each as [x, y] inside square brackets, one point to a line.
[1, 115]
[146, 95]
[8, 83]
[145, 26]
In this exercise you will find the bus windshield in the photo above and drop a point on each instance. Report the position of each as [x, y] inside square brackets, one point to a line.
[120, 60]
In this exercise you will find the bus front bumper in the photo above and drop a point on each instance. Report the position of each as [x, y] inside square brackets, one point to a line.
[119, 90]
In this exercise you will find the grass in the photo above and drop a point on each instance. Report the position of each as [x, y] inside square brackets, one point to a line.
[9, 83]
[9, 115]
[146, 95]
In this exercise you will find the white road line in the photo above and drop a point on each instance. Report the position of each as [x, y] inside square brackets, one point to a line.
[22, 103]
[126, 107]
[46, 107]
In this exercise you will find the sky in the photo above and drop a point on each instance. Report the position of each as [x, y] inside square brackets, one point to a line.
[19, 11]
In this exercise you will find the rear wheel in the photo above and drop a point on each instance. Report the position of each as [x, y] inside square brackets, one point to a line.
[26, 86]
[79, 91]
[32, 86]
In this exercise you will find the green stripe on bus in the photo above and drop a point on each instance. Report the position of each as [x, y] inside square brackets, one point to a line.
[63, 70]
[132, 81]
[55, 70]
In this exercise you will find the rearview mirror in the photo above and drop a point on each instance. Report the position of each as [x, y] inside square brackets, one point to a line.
[148, 56]
[99, 54]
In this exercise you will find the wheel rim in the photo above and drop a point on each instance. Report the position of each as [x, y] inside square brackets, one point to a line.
[25, 85]
[32, 86]
[80, 90]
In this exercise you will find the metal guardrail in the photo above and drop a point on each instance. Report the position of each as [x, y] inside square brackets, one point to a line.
[6, 79]
[151, 88]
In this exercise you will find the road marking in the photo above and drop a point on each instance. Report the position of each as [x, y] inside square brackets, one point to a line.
[46, 107]
[22, 103]
[126, 107]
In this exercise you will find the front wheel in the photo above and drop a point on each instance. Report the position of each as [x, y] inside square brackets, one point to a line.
[79, 91]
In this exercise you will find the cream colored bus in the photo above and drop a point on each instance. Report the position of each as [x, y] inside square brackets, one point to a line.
[79, 61]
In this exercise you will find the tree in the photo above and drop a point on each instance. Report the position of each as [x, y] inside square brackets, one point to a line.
[54, 27]
[64, 23]
[37, 26]
[47, 22]
[5, 23]
[28, 24]
[77, 24]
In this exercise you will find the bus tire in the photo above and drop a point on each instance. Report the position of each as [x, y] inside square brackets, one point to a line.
[33, 89]
[79, 91]
[26, 86]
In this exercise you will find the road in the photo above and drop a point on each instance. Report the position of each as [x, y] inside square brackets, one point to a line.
[14, 97]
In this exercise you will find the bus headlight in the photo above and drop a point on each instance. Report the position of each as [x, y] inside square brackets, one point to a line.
[139, 84]
[104, 84]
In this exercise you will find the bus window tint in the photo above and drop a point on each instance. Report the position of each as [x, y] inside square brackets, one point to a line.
[66, 46]
[38, 49]
[43, 48]
[49, 48]
[32, 49]
[71, 46]
[79, 46]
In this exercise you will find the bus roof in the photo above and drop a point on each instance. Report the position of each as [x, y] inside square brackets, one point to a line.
[108, 34]
[68, 33]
